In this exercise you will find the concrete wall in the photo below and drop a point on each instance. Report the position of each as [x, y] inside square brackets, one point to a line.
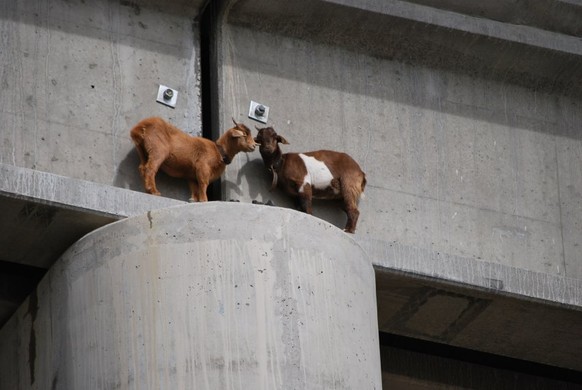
[465, 119]
[188, 298]
[458, 162]
[77, 75]
[462, 157]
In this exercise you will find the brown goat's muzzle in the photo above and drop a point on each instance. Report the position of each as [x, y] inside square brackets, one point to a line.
[267, 148]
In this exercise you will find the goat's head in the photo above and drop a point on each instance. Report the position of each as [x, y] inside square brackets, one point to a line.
[240, 137]
[268, 139]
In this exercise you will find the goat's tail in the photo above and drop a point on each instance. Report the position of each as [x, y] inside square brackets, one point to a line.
[363, 186]
[359, 192]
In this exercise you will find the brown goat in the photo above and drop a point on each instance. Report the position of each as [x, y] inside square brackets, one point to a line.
[196, 159]
[323, 174]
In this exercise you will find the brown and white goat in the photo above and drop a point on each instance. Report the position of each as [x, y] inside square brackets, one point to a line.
[196, 159]
[322, 174]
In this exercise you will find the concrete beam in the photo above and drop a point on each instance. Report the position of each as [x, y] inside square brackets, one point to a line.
[482, 275]
[520, 54]
[56, 190]
[561, 16]
[43, 214]
[476, 319]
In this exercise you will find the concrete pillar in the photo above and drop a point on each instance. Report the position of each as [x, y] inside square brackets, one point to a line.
[201, 296]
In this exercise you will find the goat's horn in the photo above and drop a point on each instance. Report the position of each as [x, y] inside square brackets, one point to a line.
[257, 127]
[236, 124]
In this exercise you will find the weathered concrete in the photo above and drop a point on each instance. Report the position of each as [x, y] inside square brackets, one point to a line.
[488, 320]
[465, 117]
[467, 129]
[57, 211]
[190, 297]
[481, 275]
[43, 214]
[473, 40]
[75, 76]
[81, 74]
[456, 163]
[562, 16]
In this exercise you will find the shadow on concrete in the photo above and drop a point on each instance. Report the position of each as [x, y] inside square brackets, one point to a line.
[259, 179]
[135, 23]
[128, 177]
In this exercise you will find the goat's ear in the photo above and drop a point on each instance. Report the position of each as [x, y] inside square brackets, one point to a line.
[237, 134]
[282, 140]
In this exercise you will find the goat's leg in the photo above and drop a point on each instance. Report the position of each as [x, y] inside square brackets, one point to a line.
[149, 173]
[304, 198]
[350, 196]
[353, 215]
[203, 174]
[202, 186]
[351, 209]
[141, 169]
[142, 158]
[194, 191]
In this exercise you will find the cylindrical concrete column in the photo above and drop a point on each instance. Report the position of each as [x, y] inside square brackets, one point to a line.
[202, 296]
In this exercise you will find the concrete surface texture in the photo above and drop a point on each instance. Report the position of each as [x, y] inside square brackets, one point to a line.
[78, 75]
[461, 161]
[464, 115]
[190, 297]
[43, 214]
[56, 211]
[486, 320]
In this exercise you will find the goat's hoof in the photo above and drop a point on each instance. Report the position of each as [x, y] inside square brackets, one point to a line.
[234, 200]
[192, 200]
[267, 203]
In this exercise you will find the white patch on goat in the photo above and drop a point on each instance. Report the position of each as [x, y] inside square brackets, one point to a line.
[318, 174]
